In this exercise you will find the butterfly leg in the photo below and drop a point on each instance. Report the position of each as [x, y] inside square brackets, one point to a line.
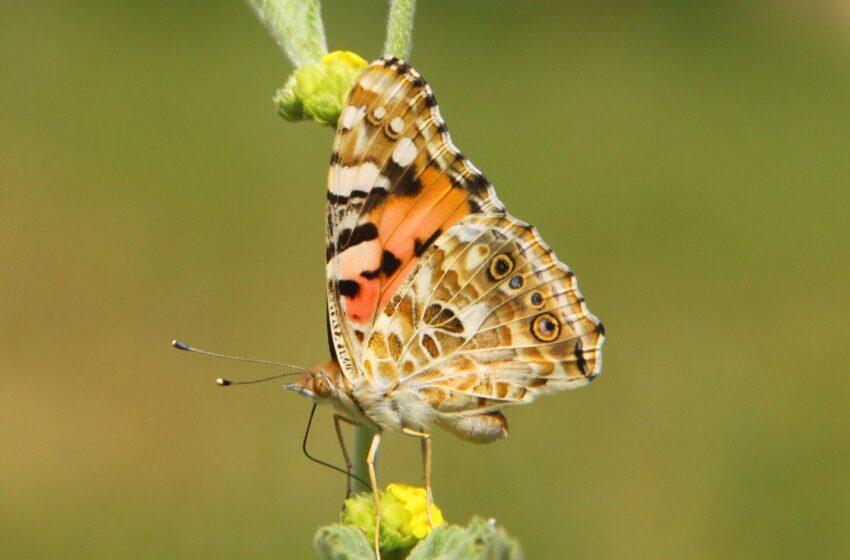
[373, 478]
[426, 463]
[337, 419]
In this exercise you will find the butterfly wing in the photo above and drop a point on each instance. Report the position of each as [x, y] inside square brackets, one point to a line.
[488, 317]
[432, 287]
[396, 183]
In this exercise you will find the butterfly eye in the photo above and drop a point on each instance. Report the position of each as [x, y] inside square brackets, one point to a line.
[545, 327]
[321, 387]
[500, 266]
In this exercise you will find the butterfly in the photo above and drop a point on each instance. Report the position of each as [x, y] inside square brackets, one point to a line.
[443, 309]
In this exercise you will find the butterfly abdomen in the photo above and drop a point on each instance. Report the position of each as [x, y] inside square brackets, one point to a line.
[479, 428]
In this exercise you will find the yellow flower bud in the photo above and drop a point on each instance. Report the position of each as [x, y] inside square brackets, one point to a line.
[404, 519]
[415, 501]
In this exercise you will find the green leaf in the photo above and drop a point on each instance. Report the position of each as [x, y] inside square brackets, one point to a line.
[442, 541]
[481, 540]
[338, 542]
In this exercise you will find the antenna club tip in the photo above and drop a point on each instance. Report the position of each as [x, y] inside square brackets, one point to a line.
[222, 382]
[179, 345]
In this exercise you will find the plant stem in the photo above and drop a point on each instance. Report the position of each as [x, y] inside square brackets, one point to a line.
[296, 26]
[362, 442]
[400, 28]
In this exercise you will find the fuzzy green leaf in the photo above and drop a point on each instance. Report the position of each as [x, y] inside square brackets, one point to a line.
[481, 540]
[442, 542]
[339, 542]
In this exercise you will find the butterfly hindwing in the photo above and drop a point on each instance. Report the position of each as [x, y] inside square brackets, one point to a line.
[489, 317]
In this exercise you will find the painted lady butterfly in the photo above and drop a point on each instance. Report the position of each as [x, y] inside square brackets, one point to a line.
[443, 309]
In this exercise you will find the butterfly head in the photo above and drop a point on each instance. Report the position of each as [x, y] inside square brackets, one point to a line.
[319, 383]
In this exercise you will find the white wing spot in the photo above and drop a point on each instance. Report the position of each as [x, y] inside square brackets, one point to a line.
[349, 115]
[467, 232]
[476, 256]
[366, 176]
[371, 81]
[404, 152]
[397, 125]
[379, 113]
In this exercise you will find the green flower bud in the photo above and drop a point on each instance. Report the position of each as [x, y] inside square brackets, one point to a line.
[317, 91]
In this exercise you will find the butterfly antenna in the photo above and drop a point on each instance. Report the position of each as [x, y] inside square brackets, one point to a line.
[183, 346]
[226, 382]
[323, 463]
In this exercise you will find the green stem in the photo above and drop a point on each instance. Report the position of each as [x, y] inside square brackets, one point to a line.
[400, 28]
[362, 442]
[296, 26]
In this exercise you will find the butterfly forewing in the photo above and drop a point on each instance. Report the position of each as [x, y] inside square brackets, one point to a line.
[395, 184]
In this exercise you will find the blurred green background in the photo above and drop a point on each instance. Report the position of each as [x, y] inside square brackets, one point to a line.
[690, 162]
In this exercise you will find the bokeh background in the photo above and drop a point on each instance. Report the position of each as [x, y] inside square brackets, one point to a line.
[691, 161]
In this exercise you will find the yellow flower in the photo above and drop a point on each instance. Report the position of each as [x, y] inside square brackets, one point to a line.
[347, 58]
[415, 501]
[404, 519]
